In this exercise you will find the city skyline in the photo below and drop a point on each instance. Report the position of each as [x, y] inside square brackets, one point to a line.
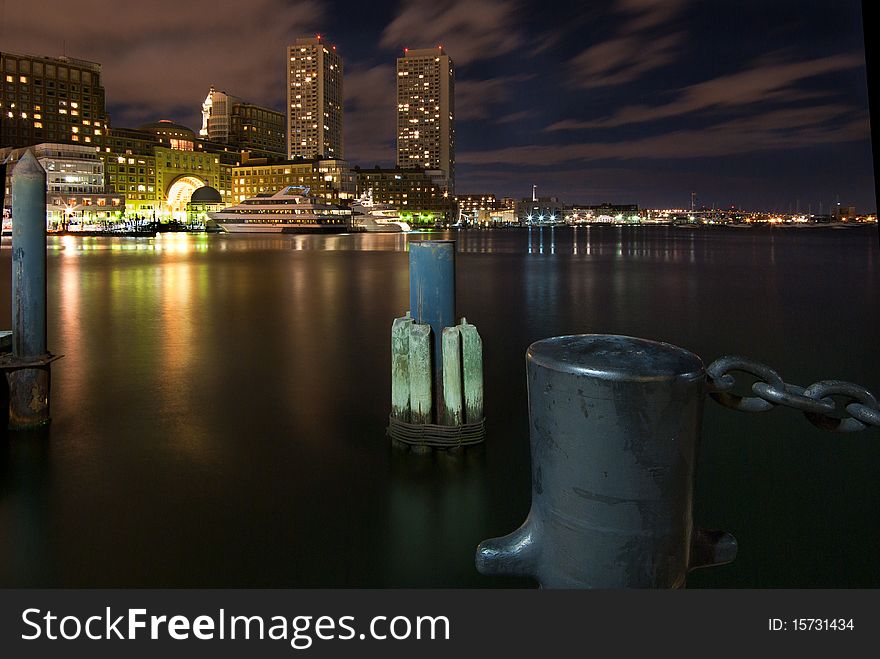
[628, 101]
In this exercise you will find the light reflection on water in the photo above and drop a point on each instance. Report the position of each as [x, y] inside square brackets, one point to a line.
[219, 415]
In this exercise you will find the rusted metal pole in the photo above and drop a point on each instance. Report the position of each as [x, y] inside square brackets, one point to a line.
[432, 299]
[614, 426]
[29, 383]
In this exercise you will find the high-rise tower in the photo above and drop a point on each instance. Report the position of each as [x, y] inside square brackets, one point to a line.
[314, 99]
[426, 111]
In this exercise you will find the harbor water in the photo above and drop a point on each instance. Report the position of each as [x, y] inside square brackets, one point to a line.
[219, 415]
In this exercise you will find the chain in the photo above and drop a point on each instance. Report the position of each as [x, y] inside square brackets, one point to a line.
[858, 411]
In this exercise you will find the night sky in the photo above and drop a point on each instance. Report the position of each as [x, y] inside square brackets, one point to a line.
[757, 103]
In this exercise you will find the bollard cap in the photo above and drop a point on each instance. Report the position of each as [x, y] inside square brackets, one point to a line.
[616, 358]
[27, 165]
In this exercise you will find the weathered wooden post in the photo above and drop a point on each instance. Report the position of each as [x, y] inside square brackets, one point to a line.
[436, 366]
[614, 426]
[28, 369]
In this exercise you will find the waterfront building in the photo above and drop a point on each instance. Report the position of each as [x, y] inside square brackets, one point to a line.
[605, 212]
[540, 210]
[50, 100]
[426, 112]
[845, 213]
[314, 100]
[227, 119]
[203, 201]
[159, 165]
[471, 204]
[499, 216]
[75, 183]
[419, 195]
[330, 180]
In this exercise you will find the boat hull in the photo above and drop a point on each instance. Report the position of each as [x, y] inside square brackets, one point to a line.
[233, 227]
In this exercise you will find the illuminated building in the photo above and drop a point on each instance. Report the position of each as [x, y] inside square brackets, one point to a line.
[845, 213]
[329, 179]
[50, 100]
[203, 201]
[314, 100]
[229, 120]
[419, 195]
[606, 212]
[426, 112]
[75, 183]
[472, 204]
[540, 210]
[159, 165]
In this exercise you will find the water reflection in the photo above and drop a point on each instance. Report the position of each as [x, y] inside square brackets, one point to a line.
[219, 415]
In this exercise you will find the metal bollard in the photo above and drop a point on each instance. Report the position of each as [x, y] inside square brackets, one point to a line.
[28, 371]
[432, 298]
[614, 426]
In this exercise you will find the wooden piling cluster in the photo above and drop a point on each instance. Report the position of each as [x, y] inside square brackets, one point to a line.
[436, 366]
[414, 417]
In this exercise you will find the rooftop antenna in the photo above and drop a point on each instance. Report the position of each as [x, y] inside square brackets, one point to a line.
[693, 200]
[534, 192]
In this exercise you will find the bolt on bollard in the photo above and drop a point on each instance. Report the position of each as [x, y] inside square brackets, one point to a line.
[614, 430]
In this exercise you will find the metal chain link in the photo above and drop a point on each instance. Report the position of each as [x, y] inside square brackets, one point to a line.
[859, 410]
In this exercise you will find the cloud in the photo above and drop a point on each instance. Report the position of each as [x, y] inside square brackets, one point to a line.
[751, 86]
[474, 99]
[371, 114]
[648, 14]
[637, 47]
[159, 58]
[623, 59]
[515, 117]
[467, 29]
[776, 130]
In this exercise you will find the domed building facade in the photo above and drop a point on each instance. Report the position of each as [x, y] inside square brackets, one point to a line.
[204, 200]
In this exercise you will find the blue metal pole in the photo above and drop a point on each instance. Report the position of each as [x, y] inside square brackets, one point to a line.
[432, 297]
[29, 375]
[28, 258]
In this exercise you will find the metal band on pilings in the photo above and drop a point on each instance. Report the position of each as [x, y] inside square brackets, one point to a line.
[614, 430]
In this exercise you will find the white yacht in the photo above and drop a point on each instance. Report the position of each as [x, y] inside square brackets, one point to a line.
[290, 210]
[370, 216]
